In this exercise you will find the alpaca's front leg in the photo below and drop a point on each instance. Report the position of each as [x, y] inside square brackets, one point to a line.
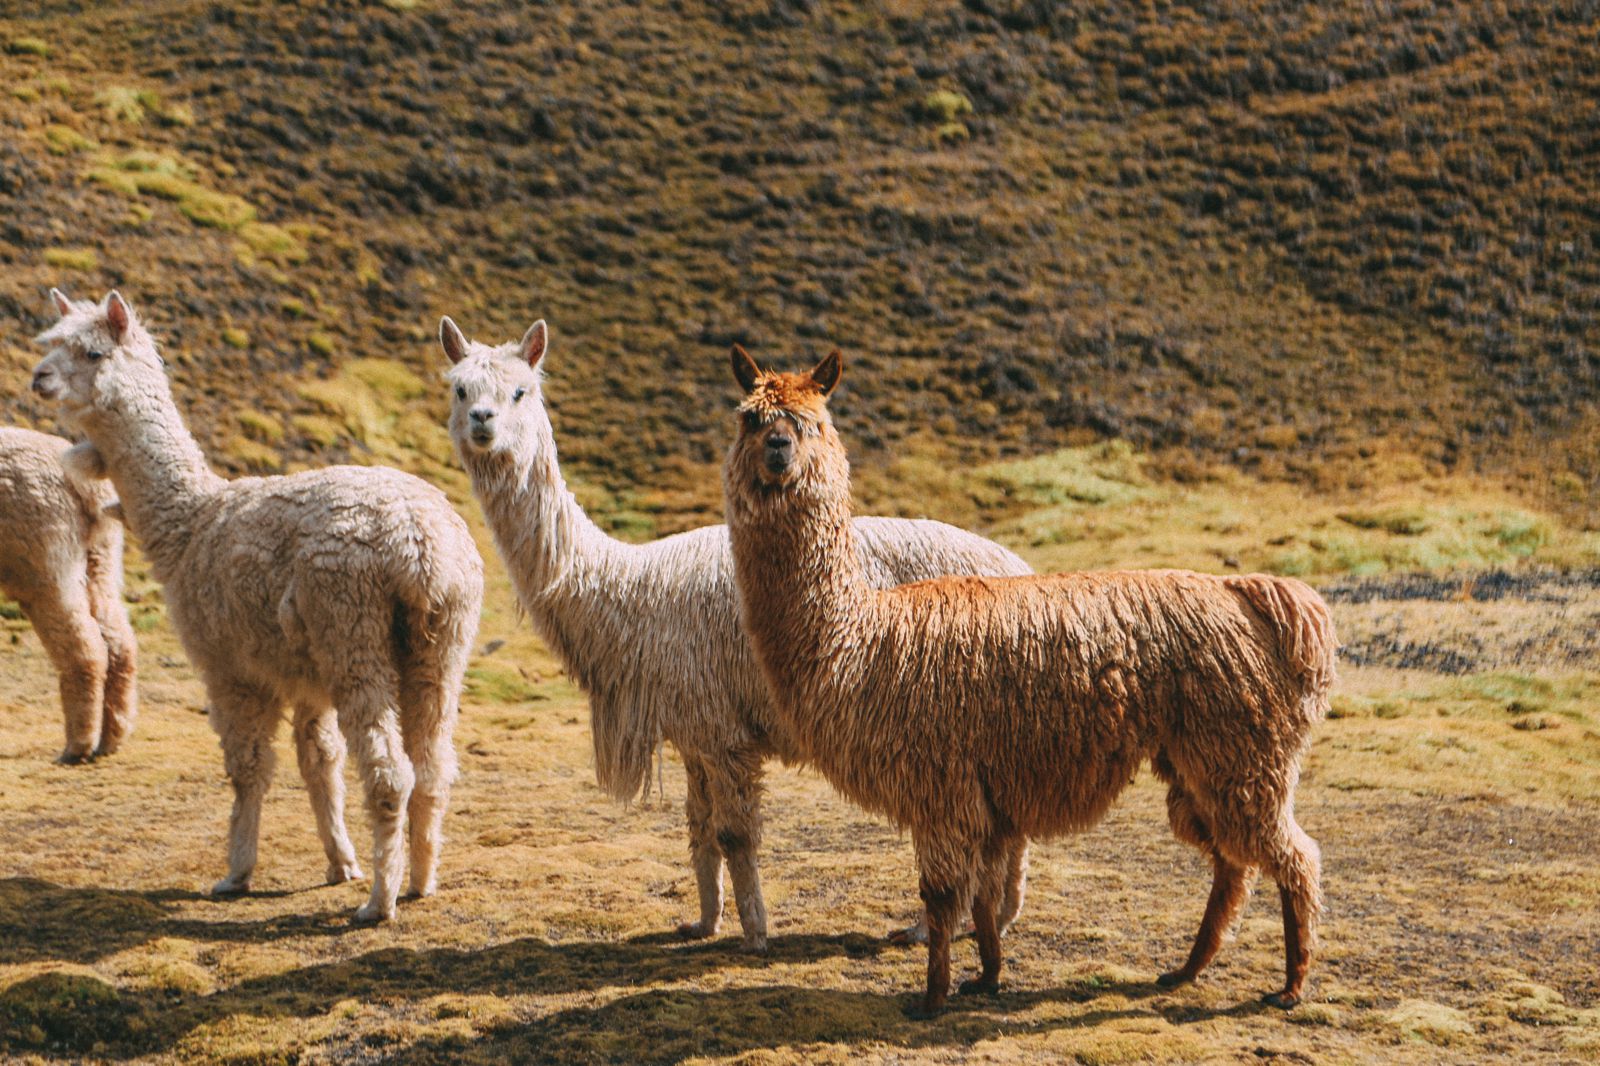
[703, 853]
[245, 721]
[388, 778]
[943, 904]
[320, 750]
[990, 889]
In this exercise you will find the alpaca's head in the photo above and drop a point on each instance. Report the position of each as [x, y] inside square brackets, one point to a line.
[786, 439]
[496, 404]
[97, 352]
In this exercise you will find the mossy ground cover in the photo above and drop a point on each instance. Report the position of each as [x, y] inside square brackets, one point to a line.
[1274, 237]
[1462, 906]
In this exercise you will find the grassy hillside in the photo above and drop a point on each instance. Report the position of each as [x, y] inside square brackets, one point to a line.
[1288, 237]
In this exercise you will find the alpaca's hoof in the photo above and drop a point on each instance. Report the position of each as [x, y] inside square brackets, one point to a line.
[979, 986]
[695, 930]
[70, 757]
[756, 945]
[910, 936]
[1283, 1000]
[1174, 978]
[340, 872]
[372, 914]
[231, 886]
[925, 1009]
[104, 750]
[422, 891]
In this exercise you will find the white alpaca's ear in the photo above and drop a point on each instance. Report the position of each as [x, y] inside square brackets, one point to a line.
[452, 340]
[118, 314]
[84, 462]
[745, 370]
[826, 373]
[63, 305]
[534, 342]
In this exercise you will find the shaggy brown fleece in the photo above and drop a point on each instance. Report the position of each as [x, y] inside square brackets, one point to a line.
[978, 712]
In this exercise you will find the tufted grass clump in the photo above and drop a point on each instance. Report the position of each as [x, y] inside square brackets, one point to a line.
[72, 258]
[944, 106]
[28, 46]
[167, 177]
[64, 140]
[264, 240]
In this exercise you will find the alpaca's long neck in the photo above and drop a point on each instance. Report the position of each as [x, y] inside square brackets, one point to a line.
[552, 547]
[161, 476]
[806, 601]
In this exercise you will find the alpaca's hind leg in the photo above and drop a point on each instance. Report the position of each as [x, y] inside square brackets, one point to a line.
[373, 734]
[121, 689]
[245, 721]
[1230, 884]
[736, 819]
[431, 677]
[320, 750]
[1230, 887]
[1296, 864]
[428, 727]
[987, 894]
[703, 853]
[1016, 885]
[72, 639]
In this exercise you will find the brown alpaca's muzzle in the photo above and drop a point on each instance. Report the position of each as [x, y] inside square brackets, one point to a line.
[778, 451]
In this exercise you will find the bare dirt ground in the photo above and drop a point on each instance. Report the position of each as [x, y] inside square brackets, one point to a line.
[1456, 794]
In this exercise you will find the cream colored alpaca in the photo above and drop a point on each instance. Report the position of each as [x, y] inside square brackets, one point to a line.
[651, 631]
[61, 560]
[351, 593]
[980, 712]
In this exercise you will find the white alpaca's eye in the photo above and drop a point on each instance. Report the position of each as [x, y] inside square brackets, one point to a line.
[461, 393]
[516, 397]
[95, 356]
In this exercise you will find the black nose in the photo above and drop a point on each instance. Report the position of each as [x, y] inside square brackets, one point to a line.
[38, 380]
[478, 414]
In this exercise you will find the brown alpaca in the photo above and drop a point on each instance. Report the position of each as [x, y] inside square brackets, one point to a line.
[981, 712]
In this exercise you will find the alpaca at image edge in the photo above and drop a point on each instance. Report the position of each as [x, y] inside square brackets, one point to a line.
[350, 593]
[982, 712]
[61, 560]
[651, 631]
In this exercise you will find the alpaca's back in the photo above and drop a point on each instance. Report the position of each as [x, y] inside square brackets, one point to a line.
[48, 517]
[1016, 682]
[273, 564]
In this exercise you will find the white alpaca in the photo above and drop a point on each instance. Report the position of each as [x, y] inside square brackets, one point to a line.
[651, 631]
[61, 560]
[351, 588]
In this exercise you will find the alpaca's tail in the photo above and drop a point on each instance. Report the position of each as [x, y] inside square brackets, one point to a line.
[1303, 626]
[86, 477]
[627, 735]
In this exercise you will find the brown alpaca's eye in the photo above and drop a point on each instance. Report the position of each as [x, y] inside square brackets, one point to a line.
[752, 422]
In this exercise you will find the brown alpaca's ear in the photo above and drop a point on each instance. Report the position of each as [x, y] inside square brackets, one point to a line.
[452, 340]
[63, 305]
[826, 373]
[118, 314]
[534, 342]
[745, 370]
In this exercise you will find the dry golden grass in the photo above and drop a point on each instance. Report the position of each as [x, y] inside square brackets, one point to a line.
[1464, 903]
